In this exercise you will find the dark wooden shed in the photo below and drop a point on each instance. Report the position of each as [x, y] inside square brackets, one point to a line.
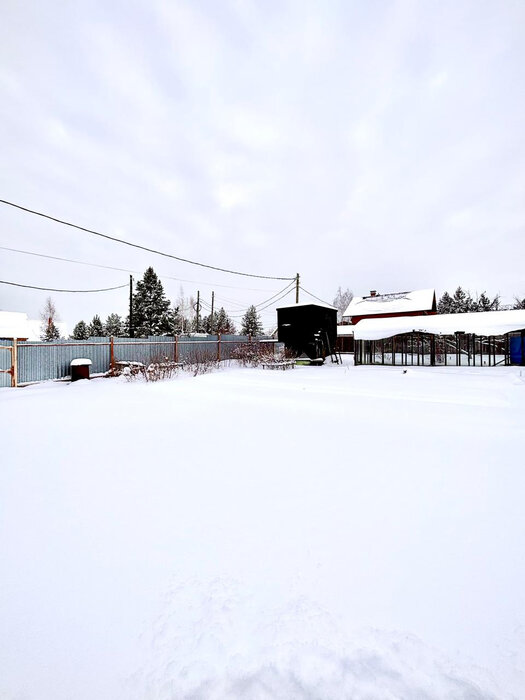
[308, 328]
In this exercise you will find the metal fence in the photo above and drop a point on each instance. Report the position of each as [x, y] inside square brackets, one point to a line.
[6, 363]
[24, 362]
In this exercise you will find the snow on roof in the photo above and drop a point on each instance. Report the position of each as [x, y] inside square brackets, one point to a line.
[482, 323]
[16, 324]
[398, 302]
[308, 303]
[347, 330]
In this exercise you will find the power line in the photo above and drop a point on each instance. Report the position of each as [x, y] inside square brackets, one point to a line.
[69, 291]
[136, 245]
[124, 269]
[259, 310]
[239, 313]
[277, 300]
[313, 295]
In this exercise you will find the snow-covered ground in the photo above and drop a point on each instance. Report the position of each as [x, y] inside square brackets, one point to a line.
[334, 532]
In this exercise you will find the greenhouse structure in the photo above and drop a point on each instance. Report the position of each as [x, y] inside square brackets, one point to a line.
[473, 339]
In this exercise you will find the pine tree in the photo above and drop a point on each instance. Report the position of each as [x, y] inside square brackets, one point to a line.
[80, 331]
[483, 303]
[210, 323]
[445, 304]
[114, 326]
[224, 323]
[96, 328]
[150, 306]
[341, 301]
[49, 317]
[463, 302]
[171, 322]
[50, 332]
[251, 323]
[470, 303]
[459, 302]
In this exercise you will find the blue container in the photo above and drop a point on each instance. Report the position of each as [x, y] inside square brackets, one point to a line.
[516, 350]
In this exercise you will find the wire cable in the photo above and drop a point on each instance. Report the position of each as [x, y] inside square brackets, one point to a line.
[69, 291]
[313, 295]
[239, 313]
[123, 269]
[265, 307]
[136, 245]
[276, 301]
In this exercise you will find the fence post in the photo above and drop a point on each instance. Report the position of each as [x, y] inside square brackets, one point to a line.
[111, 353]
[219, 347]
[14, 362]
[176, 349]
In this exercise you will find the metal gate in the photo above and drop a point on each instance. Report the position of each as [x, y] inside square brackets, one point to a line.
[7, 363]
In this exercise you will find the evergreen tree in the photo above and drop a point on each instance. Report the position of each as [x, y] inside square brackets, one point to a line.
[80, 331]
[483, 303]
[114, 326]
[519, 303]
[224, 323]
[210, 323]
[49, 317]
[50, 332]
[462, 302]
[251, 323]
[445, 304]
[341, 301]
[197, 324]
[150, 306]
[96, 328]
[459, 302]
[171, 322]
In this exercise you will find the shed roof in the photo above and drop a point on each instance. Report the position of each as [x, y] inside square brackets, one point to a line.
[482, 323]
[395, 303]
[308, 303]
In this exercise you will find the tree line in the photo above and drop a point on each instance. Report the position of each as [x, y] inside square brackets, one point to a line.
[153, 314]
[462, 302]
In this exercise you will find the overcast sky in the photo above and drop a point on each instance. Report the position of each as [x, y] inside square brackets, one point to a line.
[376, 144]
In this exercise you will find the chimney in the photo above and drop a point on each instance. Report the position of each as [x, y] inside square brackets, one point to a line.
[373, 293]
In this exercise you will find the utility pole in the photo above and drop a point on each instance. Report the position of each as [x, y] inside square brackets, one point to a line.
[297, 288]
[197, 309]
[131, 329]
[211, 317]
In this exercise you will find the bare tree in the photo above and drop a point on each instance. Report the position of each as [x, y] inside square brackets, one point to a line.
[341, 301]
[49, 317]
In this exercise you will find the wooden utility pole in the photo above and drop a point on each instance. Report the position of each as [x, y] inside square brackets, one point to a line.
[197, 309]
[131, 329]
[211, 317]
[297, 288]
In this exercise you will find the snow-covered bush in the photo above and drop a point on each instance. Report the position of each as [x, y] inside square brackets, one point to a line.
[253, 354]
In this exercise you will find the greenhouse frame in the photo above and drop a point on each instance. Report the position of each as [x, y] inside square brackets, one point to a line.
[474, 340]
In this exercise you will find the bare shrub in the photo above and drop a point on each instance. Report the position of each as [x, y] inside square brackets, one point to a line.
[125, 368]
[253, 354]
[159, 368]
[200, 360]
